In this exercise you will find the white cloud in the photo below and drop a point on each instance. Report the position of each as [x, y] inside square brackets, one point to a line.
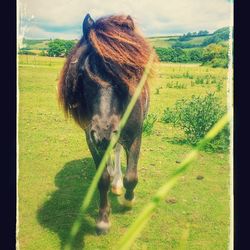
[153, 16]
[34, 32]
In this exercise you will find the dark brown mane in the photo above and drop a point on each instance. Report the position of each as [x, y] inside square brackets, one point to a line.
[114, 53]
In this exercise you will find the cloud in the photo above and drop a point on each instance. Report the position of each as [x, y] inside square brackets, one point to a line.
[34, 32]
[154, 17]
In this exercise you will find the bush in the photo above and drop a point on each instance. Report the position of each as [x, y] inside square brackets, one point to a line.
[168, 116]
[43, 53]
[175, 54]
[219, 62]
[172, 55]
[196, 117]
[216, 55]
[149, 123]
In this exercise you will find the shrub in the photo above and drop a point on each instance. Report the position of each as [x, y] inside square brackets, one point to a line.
[149, 123]
[196, 117]
[43, 53]
[219, 62]
[168, 116]
[216, 55]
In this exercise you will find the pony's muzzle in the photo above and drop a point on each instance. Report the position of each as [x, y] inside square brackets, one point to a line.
[102, 130]
[102, 138]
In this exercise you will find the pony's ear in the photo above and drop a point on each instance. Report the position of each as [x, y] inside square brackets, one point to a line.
[86, 25]
[130, 22]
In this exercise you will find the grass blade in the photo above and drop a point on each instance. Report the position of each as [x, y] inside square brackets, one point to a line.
[135, 229]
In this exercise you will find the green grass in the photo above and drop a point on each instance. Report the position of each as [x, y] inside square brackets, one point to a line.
[56, 168]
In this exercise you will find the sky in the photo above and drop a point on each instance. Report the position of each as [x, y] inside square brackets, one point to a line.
[63, 19]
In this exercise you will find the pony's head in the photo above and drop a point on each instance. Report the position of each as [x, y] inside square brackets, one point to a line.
[102, 72]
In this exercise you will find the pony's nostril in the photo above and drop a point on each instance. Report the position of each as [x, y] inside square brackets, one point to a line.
[115, 131]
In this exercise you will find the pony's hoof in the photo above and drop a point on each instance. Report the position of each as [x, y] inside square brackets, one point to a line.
[126, 203]
[102, 227]
[117, 190]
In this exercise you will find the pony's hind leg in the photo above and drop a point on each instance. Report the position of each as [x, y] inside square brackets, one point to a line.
[117, 184]
[130, 179]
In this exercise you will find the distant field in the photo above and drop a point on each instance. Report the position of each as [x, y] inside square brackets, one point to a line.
[166, 42]
[56, 168]
[197, 40]
[36, 44]
[161, 41]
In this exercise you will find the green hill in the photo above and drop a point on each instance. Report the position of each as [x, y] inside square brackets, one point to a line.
[185, 41]
[192, 47]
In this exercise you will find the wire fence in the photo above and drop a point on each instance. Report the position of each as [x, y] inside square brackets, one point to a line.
[36, 60]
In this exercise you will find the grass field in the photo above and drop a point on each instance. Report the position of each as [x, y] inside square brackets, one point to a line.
[163, 42]
[56, 168]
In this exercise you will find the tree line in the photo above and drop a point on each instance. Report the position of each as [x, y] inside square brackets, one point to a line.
[215, 55]
[212, 51]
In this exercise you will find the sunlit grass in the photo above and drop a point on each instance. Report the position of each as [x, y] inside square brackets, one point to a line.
[56, 168]
[145, 215]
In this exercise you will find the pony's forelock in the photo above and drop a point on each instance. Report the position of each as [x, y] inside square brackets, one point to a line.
[115, 51]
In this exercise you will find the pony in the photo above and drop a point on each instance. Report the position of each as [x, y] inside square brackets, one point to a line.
[96, 84]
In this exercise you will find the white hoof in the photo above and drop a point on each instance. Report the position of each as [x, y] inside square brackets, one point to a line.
[102, 227]
[117, 190]
[117, 185]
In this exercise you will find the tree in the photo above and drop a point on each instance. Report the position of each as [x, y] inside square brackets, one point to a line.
[60, 47]
[203, 33]
[216, 55]
[218, 36]
[196, 55]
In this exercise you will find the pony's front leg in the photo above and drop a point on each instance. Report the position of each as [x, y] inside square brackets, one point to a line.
[130, 179]
[102, 223]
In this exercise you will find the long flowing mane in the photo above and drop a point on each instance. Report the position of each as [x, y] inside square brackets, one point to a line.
[114, 52]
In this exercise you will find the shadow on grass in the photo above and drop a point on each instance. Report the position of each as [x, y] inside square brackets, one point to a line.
[60, 211]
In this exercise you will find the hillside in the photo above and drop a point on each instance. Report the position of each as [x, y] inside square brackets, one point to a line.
[192, 40]
[193, 47]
